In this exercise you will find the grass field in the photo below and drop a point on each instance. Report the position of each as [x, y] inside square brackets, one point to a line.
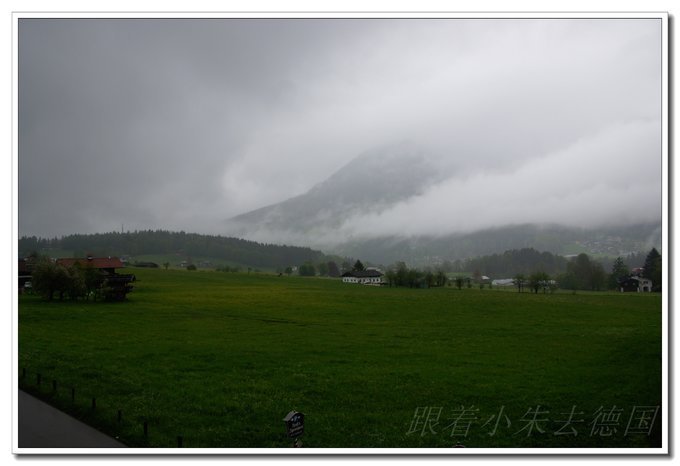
[220, 359]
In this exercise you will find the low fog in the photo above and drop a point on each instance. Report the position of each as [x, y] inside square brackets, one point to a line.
[182, 124]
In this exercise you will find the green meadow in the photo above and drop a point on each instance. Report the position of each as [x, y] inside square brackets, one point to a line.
[220, 358]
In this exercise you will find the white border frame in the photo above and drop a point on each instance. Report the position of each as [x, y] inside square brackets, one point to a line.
[663, 450]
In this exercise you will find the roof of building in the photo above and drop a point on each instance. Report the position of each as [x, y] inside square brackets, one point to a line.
[96, 262]
[362, 274]
[634, 278]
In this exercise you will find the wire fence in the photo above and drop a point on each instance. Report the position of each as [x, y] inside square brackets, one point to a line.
[134, 431]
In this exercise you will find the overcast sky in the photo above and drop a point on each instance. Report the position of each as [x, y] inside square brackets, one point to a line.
[181, 124]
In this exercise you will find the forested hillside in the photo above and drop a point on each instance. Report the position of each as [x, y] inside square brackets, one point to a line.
[515, 261]
[165, 242]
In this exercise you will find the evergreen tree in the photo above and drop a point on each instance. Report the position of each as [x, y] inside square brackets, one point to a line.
[584, 274]
[619, 271]
[333, 270]
[598, 277]
[653, 269]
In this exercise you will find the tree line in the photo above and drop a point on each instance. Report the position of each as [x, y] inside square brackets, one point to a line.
[584, 273]
[512, 262]
[529, 269]
[166, 242]
[534, 271]
[401, 276]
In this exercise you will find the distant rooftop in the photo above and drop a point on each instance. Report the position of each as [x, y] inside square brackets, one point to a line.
[362, 274]
[96, 262]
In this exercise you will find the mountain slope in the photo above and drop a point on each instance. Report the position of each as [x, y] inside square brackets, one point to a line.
[378, 180]
[371, 182]
[557, 239]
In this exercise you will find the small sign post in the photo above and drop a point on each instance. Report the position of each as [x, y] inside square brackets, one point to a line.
[295, 425]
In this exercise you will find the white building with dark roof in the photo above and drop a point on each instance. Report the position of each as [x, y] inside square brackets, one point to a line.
[635, 284]
[364, 277]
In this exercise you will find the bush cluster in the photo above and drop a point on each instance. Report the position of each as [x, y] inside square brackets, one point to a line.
[50, 279]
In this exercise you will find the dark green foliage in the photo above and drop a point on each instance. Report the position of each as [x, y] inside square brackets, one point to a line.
[48, 278]
[516, 261]
[191, 267]
[653, 269]
[583, 274]
[598, 277]
[400, 275]
[358, 266]
[539, 281]
[322, 269]
[333, 270]
[414, 278]
[234, 269]
[459, 282]
[346, 266]
[440, 278]
[619, 271]
[151, 265]
[93, 282]
[191, 244]
[75, 286]
[307, 270]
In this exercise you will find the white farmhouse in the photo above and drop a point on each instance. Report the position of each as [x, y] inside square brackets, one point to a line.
[364, 277]
[635, 284]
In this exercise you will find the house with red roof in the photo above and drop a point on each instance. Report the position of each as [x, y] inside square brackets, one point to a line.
[107, 265]
[117, 285]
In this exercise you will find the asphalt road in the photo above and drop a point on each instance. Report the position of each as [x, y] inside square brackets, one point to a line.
[42, 426]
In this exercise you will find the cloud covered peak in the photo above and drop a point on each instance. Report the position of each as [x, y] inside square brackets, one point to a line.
[182, 124]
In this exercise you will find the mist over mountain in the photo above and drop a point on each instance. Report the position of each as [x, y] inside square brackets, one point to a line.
[382, 181]
[370, 183]
[556, 239]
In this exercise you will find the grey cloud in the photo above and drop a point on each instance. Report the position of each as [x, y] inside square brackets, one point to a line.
[183, 123]
[607, 179]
